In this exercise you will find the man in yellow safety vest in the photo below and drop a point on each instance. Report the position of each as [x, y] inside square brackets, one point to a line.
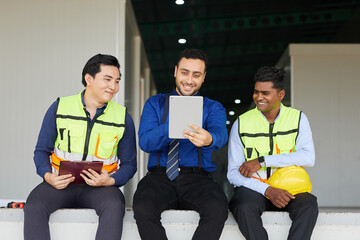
[263, 139]
[86, 127]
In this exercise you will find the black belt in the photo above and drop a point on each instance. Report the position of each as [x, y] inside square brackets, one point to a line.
[182, 170]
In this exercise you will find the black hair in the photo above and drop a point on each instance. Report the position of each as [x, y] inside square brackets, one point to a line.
[193, 53]
[92, 66]
[271, 74]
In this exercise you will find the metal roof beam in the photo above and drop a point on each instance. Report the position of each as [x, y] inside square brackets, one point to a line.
[241, 23]
[234, 50]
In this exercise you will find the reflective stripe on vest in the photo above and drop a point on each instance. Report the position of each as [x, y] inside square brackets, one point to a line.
[110, 165]
[77, 140]
[260, 138]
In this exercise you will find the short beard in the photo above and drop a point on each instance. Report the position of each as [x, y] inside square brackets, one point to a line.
[178, 89]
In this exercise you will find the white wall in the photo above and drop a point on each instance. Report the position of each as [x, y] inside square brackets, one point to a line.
[44, 46]
[325, 85]
[137, 90]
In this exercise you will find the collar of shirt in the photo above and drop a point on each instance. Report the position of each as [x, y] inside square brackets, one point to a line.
[281, 105]
[99, 111]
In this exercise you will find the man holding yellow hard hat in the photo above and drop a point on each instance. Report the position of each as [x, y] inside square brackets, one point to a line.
[268, 146]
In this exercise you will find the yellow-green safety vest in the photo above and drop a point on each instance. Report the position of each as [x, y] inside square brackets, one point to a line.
[77, 140]
[261, 138]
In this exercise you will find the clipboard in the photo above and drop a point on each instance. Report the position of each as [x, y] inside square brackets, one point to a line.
[75, 168]
[184, 110]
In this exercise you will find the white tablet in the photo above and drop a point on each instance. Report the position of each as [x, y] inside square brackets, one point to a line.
[184, 110]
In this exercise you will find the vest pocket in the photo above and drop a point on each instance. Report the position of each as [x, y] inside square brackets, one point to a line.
[284, 144]
[75, 134]
[63, 139]
[105, 145]
[262, 147]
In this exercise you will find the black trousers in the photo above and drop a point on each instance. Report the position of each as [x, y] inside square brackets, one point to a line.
[192, 191]
[108, 202]
[247, 207]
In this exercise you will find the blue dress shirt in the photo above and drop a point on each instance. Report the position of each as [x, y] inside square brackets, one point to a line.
[48, 134]
[304, 156]
[153, 136]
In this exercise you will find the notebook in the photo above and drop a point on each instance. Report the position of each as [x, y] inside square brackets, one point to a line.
[75, 168]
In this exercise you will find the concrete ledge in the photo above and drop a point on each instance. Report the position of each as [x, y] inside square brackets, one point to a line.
[81, 224]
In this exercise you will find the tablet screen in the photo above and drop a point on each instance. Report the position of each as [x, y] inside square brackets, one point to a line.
[184, 110]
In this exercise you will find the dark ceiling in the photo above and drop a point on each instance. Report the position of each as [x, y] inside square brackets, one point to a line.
[239, 36]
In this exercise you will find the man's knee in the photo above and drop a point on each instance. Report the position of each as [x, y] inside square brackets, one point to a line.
[307, 201]
[113, 202]
[305, 204]
[116, 204]
[242, 207]
[32, 208]
[217, 209]
[145, 209]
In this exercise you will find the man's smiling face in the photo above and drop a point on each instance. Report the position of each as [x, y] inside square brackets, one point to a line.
[189, 76]
[266, 97]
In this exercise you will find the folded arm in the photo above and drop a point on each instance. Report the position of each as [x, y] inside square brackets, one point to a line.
[235, 160]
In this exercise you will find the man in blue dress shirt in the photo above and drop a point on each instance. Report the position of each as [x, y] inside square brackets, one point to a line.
[192, 188]
[85, 127]
[267, 137]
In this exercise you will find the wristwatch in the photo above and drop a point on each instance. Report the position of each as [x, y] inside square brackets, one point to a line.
[261, 161]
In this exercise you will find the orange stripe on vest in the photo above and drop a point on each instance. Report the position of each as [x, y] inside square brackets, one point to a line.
[55, 162]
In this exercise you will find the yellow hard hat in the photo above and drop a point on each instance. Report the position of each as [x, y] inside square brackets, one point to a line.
[294, 179]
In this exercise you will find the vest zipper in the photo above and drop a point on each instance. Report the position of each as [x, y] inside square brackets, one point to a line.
[271, 128]
[88, 133]
[87, 140]
[69, 141]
